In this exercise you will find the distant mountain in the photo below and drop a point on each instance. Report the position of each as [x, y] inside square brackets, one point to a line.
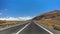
[50, 19]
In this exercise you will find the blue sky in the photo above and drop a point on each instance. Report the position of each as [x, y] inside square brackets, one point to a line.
[17, 8]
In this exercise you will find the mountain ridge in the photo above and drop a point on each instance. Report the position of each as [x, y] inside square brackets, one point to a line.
[50, 19]
[51, 14]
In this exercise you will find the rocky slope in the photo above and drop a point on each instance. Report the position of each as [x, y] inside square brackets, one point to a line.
[50, 19]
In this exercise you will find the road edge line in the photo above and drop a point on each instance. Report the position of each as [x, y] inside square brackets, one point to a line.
[44, 28]
[22, 28]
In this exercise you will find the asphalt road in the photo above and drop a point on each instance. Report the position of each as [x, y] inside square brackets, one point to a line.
[33, 29]
[28, 28]
[12, 30]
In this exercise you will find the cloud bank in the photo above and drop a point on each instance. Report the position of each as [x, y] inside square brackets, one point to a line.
[16, 18]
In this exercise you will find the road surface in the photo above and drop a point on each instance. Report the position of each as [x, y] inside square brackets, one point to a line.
[33, 29]
[28, 28]
[12, 30]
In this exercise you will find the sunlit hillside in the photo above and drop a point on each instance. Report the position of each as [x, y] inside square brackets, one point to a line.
[50, 19]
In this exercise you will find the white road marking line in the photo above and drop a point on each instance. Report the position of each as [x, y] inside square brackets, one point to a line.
[22, 28]
[44, 28]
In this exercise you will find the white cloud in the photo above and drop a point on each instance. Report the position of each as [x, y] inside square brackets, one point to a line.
[16, 18]
[0, 13]
[6, 9]
[3, 11]
[25, 18]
